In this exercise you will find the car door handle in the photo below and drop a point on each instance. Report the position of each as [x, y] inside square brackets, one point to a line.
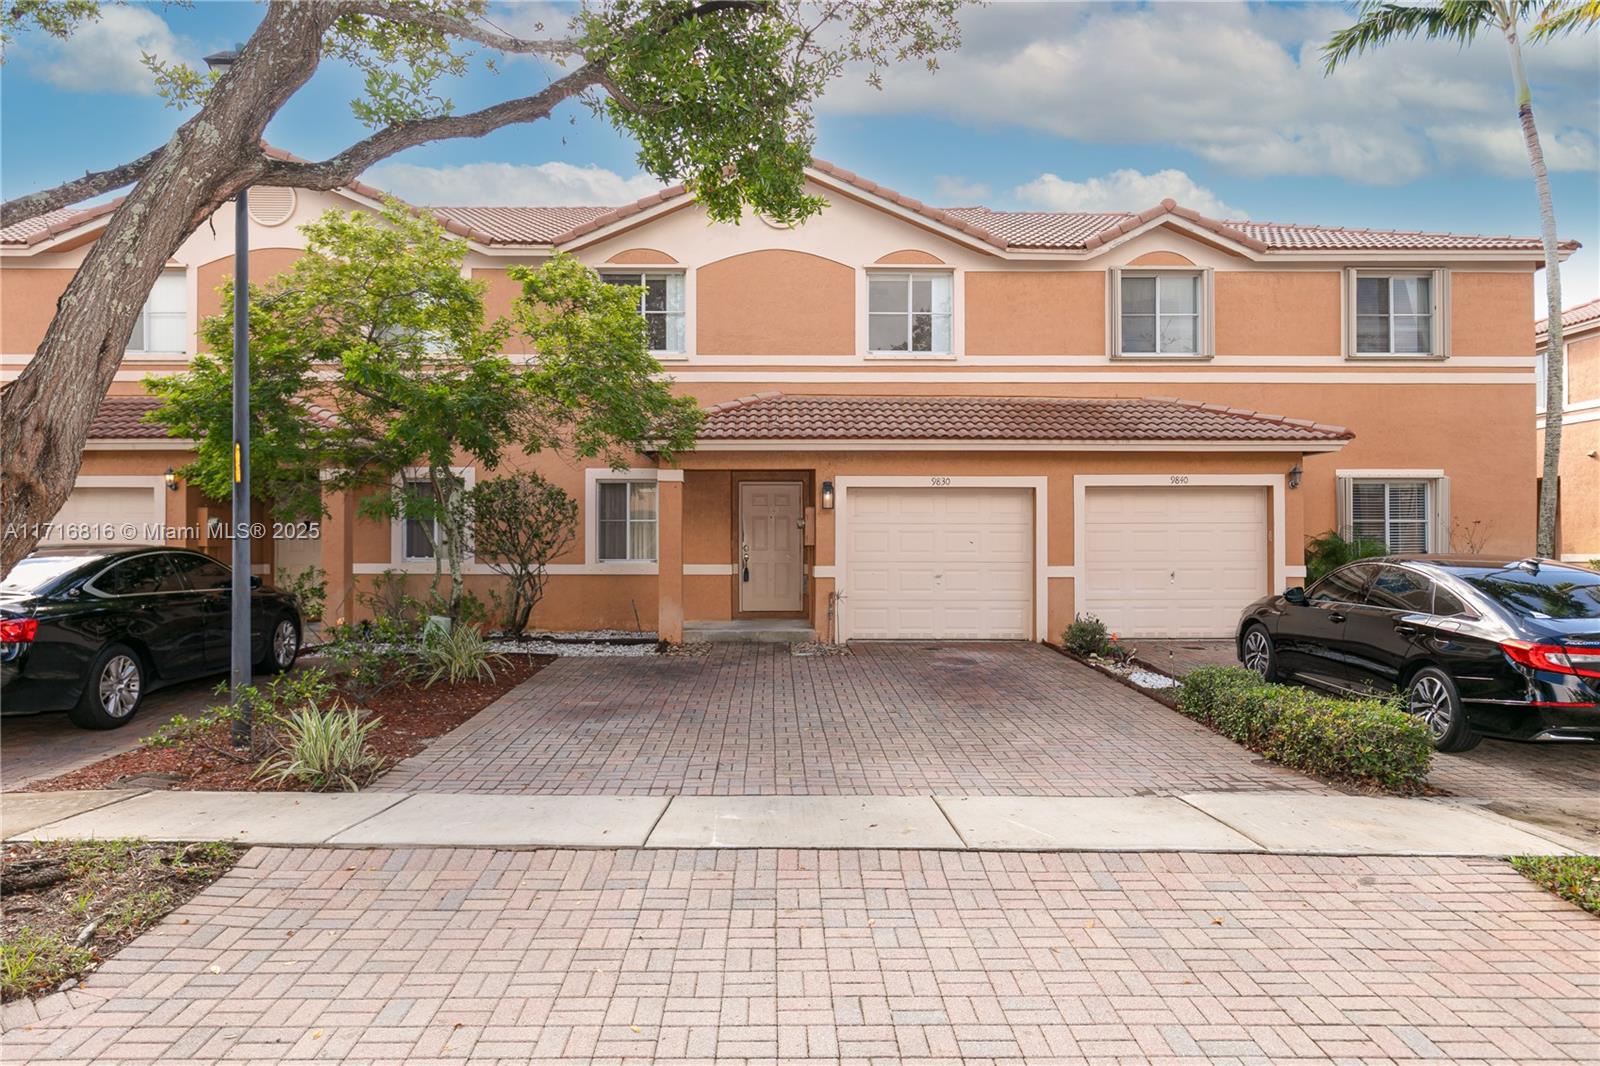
[1406, 630]
[1335, 616]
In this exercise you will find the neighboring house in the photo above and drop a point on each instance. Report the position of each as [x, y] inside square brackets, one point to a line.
[1578, 489]
[928, 423]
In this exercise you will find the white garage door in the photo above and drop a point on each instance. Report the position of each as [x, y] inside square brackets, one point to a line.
[103, 514]
[953, 563]
[1173, 562]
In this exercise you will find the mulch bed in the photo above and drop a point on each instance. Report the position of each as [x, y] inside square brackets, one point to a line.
[412, 715]
[70, 905]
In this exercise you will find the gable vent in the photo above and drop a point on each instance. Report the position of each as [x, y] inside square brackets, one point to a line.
[271, 205]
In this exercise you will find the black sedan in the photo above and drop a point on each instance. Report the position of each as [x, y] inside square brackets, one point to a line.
[1479, 647]
[90, 632]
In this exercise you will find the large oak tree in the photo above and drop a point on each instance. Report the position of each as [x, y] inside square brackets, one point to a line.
[718, 94]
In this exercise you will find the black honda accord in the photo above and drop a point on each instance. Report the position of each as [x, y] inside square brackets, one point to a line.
[91, 631]
[1479, 646]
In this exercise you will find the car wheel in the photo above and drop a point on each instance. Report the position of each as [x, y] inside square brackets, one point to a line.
[113, 691]
[1432, 696]
[1256, 653]
[283, 644]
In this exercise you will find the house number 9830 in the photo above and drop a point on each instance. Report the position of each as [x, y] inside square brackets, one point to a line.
[939, 481]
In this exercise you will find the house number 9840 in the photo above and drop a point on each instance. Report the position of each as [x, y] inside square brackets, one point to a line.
[1180, 479]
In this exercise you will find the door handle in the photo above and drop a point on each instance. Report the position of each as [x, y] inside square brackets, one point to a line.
[744, 560]
[1335, 616]
[1405, 630]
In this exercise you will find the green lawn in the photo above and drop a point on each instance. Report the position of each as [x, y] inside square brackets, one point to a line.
[1575, 878]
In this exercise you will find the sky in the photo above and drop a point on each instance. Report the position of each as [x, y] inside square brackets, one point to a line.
[1222, 106]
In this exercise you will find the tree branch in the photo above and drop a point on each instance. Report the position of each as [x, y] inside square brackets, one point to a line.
[348, 164]
[34, 204]
[466, 29]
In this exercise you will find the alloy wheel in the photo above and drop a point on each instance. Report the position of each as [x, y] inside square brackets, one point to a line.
[1429, 700]
[119, 686]
[284, 643]
[1257, 651]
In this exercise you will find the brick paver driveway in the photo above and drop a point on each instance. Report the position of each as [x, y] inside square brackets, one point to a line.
[1554, 785]
[890, 719]
[457, 956]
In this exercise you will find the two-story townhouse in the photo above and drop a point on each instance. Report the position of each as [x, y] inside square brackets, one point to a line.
[956, 423]
[1578, 491]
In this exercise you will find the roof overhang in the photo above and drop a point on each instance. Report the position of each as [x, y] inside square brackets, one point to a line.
[890, 444]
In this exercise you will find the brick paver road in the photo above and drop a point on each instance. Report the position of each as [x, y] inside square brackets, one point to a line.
[586, 956]
[1554, 785]
[890, 719]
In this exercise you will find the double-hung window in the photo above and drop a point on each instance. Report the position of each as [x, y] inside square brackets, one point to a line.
[163, 323]
[661, 304]
[1394, 314]
[909, 314]
[422, 533]
[627, 521]
[1160, 314]
[1396, 514]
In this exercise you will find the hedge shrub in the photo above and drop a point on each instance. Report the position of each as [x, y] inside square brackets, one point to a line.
[1368, 741]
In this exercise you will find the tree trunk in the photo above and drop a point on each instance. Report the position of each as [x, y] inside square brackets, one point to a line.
[1555, 368]
[49, 407]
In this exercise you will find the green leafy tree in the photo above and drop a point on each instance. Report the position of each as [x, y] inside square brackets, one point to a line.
[371, 356]
[718, 94]
[519, 524]
[1381, 22]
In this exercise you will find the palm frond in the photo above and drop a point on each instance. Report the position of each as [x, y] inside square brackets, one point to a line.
[1561, 17]
[1382, 21]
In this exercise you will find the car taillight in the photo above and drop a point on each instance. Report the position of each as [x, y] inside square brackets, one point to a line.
[1558, 658]
[18, 630]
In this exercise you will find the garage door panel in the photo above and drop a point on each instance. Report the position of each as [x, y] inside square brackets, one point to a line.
[106, 513]
[1173, 561]
[959, 563]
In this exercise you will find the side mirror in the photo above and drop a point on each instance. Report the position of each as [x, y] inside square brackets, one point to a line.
[1295, 595]
[255, 581]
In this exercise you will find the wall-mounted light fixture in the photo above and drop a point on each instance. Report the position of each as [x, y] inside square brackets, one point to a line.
[172, 480]
[827, 495]
[1294, 476]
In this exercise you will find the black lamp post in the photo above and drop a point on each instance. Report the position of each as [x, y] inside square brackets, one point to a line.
[239, 649]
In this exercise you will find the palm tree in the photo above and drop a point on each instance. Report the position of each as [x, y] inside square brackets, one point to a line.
[1461, 21]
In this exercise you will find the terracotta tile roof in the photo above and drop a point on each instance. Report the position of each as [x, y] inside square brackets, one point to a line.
[122, 418]
[1003, 230]
[1584, 314]
[777, 416]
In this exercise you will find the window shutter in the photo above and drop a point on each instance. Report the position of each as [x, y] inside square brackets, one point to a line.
[1342, 519]
[1114, 311]
[1349, 295]
[1440, 541]
[1441, 312]
[1208, 318]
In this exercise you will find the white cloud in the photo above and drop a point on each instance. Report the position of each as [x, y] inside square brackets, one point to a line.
[105, 55]
[1242, 87]
[952, 191]
[553, 184]
[1122, 190]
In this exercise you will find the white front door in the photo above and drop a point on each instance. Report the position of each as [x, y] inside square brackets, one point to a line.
[770, 538]
[949, 563]
[1173, 562]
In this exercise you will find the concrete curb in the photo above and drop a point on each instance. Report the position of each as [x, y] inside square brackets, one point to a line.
[1242, 822]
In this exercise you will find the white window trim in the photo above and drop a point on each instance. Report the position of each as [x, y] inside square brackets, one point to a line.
[1439, 532]
[139, 346]
[1541, 402]
[864, 339]
[398, 560]
[592, 479]
[1439, 292]
[626, 270]
[1205, 334]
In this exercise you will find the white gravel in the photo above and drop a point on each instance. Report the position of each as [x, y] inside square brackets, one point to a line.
[1150, 679]
[573, 651]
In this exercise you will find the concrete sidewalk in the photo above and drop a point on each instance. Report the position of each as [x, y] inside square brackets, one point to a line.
[1253, 822]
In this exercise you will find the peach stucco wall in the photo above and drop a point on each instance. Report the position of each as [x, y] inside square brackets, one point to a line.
[775, 302]
[1583, 369]
[1161, 259]
[1035, 313]
[1490, 312]
[912, 256]
[648, 256]
[28, 298]
[1277, 312]
[500, 292]
[265, 263]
